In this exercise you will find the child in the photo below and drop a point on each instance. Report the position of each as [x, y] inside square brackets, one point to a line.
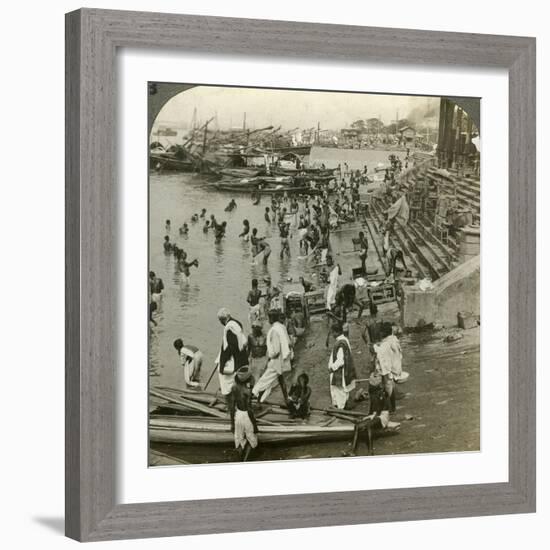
[246, 230]
[243, 422]
[298, 397]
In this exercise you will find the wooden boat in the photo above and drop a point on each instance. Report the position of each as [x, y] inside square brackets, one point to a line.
[314, 177]
[180, 429]
[300, 150]
[167, 161]
[248, 184]
[267, 190]
[184, 416]
[291, 190]
[241, 172]
[169, 401]
[320, 172]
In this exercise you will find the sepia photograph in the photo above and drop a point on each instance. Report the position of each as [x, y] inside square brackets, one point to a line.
[314, 274]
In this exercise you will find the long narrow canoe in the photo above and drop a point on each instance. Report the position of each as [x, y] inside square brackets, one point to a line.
[178, 429]
[280, 189]
[310, 171]
[241, 172]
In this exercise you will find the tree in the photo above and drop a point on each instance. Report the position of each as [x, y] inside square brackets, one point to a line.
[374, 125]
[359, 125]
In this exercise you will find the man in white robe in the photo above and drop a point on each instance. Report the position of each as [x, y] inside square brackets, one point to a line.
[340, 365]
[233, 352]
[279, 353]
[389, 366]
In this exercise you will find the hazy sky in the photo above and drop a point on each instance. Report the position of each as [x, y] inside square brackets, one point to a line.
[289, 108]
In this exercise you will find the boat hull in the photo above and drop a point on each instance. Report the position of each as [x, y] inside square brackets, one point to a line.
[169, 163]
[241, 172]
[267, 190]
[166, 429]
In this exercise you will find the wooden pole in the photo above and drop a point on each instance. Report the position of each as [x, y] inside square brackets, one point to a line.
[210, 377]
[189, 404]
[441, 136]
[204, 138]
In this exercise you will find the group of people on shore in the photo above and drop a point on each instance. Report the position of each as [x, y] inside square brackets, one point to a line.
[248, 369]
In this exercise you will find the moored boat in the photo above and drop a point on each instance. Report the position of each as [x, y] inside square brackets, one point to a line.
[313, 177]
[291, 190]
[320, 172]
[242, 172]
[267, 189]
[179, 429]
[167, 161]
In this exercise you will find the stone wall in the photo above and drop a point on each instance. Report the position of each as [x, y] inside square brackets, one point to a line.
[456, 291]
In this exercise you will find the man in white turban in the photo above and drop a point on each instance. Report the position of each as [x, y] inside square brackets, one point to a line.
[233, 352]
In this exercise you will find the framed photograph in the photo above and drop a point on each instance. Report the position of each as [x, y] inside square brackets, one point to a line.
[300, 275]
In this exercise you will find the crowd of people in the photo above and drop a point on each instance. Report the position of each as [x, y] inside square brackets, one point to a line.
[250, 366]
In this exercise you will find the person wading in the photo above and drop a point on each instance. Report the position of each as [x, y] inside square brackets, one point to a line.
[191, 361]
[156, 286]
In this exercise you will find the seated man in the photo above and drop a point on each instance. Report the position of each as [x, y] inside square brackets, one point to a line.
[191, 361]
[298, 397]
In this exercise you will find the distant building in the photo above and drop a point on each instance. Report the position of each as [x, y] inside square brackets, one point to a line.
[407, 134]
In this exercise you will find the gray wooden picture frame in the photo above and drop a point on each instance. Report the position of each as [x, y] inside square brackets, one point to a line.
[92, 39]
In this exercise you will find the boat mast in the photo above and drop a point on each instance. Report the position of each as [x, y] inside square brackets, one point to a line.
[204, 138]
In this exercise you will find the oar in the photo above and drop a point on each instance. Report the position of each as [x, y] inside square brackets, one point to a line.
[211, 376]
[332, 410]
[343, 417]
